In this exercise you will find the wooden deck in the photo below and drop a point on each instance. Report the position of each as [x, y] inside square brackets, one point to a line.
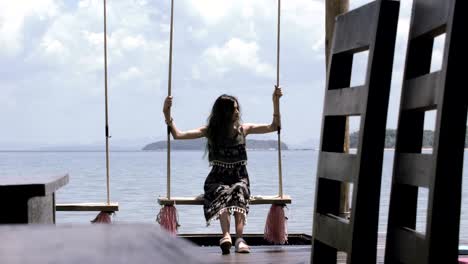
[268, 253]
[259, 254]
[140, 243]
[264, 254]
[297, 252]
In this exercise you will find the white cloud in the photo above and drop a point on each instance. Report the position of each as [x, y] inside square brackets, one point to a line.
[306, 19]
[219, 46]
[12, 19]
[64, 58]
[438, 53]
[211, 11]
[133, 42]
[198, 33]
[79, 35]
[196, 75]
[300, 12]
[84, 3]
[93, 38]
[237, 53]
[166, 28]
[248, 11]
[54, 49]
[302, 21]
[131, 73]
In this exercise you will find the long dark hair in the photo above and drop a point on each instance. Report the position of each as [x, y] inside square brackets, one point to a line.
[220, 120]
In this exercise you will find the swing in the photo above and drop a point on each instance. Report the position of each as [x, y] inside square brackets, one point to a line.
[275, 229]
[106, 208]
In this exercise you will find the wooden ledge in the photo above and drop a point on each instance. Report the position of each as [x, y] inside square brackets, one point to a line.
[117, 243]
[111, 207]
[198, 200]
[31, 186]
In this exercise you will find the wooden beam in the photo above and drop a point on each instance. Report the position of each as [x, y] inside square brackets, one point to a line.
[344, 172]
[105, 207]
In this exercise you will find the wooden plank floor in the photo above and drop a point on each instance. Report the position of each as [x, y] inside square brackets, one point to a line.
[259, 255]
[279, 254]
[132, 243]
[267, 254]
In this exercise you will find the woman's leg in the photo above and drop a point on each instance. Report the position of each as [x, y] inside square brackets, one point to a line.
[239, 219]
[241, 246]
[225, 221]
[225, 243]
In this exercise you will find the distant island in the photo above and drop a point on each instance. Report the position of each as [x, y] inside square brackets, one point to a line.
[199, 144]
[390, 139]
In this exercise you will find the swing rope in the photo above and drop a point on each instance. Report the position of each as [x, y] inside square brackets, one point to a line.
[104, 217]
[280, 174]
[106, 106]
[167, 216]
[169, 88]
[275, 226]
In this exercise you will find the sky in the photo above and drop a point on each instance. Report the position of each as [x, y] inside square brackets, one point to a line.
[52, 68]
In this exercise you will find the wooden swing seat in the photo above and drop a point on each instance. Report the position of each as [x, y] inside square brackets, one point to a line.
[198, 200]
[104, 207]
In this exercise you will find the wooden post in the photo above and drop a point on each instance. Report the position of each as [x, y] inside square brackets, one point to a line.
[332, 9]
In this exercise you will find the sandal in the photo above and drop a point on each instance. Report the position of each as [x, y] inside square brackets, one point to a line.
[244, 249]
[225, 244]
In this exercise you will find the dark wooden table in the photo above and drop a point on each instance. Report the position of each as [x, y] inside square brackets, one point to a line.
[93, 243]
[29, 199]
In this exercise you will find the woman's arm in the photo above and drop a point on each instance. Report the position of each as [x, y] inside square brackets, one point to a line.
[176, 133]
[250, 128]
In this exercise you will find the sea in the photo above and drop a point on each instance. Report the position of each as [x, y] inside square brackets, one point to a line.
[138, 178]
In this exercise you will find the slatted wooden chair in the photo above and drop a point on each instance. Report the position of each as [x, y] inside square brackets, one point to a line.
[371, 27]
[440, 172]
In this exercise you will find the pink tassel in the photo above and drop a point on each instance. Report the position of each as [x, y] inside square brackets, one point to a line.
[167, 218]
[275, 227]
[102, 218]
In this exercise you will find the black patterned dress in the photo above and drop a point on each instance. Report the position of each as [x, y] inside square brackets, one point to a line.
[227, 186]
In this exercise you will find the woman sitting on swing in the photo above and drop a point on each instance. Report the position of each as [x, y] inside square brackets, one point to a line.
[227, 185]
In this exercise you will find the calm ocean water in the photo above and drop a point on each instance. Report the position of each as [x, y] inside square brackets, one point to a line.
[138, 178]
